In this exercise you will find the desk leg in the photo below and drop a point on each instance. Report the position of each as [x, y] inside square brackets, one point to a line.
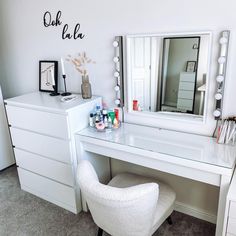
[224, 186]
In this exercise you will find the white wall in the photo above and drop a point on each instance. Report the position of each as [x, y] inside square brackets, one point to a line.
[24, 41]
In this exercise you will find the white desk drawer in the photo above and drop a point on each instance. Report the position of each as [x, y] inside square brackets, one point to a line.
[232, 209]
[47, 189]
[38, 121]
[231, 228]
[52, 169]
[53, 148]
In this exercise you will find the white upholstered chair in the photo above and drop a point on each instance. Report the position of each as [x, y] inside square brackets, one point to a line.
[130, 205]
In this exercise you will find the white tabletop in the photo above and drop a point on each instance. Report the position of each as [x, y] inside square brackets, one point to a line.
[43, 101]
[188, 146]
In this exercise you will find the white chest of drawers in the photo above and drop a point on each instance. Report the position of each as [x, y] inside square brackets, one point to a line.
[42, 130]
[230, 214]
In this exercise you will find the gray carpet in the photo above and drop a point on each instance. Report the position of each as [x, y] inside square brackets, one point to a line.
[22, 214]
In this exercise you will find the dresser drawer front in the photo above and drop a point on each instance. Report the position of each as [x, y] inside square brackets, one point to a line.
[232, 209]
[231, 228]
[46, 167]
[47, 189]
[38, 121]
[53, 148]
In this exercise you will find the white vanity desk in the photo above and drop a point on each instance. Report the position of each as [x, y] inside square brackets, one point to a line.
[187, 155]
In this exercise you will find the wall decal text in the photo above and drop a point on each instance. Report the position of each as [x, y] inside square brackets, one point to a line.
[49, 21]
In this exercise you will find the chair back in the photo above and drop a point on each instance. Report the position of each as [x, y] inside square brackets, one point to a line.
[119, 211]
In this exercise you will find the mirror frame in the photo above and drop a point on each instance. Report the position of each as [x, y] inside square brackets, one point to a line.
[169, 115]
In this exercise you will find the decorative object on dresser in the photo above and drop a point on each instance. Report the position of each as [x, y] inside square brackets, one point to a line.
[64, 79]
[48, 77]
[80, 63]
[42, 130]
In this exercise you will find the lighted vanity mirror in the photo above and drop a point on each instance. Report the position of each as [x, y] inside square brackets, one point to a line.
[167, 73]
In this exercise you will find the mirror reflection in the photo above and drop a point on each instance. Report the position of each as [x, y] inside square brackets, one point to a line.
[167, 74]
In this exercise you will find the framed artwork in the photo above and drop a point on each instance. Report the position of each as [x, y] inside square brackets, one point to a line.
[191, 66]
[48, 71]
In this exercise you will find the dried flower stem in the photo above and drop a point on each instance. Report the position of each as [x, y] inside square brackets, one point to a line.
[80, 62]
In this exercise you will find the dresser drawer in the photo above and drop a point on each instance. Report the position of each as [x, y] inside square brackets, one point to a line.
[46, 167]
[186, 86]
[53, 148]
[231, 228]
[38, 121]
[232, 209]
[47, 189]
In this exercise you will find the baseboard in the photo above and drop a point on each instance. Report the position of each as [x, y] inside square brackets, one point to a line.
[195, 212]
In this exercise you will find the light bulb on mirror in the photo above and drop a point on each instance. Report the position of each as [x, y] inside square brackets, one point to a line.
[115, 44]
[117, 88]
[217, 113]
[218, 96]
[221, 60]
[116, 59]
[220, 78]
[116, 74]
[223, 40]
[117, 101]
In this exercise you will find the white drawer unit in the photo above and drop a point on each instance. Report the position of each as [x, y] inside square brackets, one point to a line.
[230, 210]
[42, 129]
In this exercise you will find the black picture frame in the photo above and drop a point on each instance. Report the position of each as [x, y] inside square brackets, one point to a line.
[45, 76]
[191, 66]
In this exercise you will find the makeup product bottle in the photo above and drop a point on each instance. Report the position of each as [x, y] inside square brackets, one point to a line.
[91, 120]
[117, 114]
[109, 122]
[135, 105]
[112, 115]
[115, 123]
[105, 122]
[98, 113]
[105, 118]
[116, 120]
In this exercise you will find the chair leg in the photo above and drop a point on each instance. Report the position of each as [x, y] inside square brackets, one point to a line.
[169, 220]
[100, 231]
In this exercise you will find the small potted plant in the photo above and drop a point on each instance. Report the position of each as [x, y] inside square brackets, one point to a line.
[80, 63]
